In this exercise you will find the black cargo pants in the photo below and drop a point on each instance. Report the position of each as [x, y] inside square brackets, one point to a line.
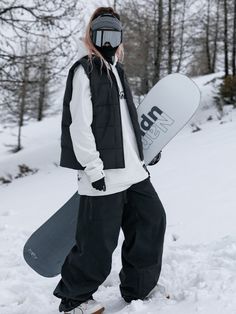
[139, 212]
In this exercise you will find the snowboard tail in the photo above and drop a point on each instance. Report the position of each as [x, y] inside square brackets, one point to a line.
[47, 247]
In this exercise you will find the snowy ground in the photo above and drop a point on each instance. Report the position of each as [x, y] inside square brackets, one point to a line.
[195, 180]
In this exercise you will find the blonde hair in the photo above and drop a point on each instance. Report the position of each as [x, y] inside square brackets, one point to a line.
[90, 45]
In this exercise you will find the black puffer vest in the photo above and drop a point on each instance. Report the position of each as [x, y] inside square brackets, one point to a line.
[106, 125]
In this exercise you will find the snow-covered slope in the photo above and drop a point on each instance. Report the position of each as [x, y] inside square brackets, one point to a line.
[195, 180]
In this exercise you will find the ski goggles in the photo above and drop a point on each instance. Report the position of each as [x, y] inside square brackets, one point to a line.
[106, 28]
[102, 36]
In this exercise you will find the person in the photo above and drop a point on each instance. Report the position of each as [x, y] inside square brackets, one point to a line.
[101, 139]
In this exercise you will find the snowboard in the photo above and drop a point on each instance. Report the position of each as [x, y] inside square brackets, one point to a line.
[165, 110]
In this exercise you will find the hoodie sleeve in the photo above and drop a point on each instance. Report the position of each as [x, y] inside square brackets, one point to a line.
[82, 136]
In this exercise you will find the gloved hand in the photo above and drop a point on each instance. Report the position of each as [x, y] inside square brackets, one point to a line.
[99, 184]
[155, 159]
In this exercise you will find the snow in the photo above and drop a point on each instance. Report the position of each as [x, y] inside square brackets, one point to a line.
[195, 180]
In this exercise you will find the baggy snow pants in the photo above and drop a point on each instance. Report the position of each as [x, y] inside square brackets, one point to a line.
[140, 213]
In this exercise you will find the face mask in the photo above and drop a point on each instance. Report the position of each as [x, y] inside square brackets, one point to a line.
[108, 52]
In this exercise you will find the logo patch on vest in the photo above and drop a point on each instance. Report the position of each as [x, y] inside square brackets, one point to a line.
[122, 94]
[153, 124]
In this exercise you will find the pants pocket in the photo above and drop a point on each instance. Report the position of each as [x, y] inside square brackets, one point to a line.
[105, 208]
[97, 208]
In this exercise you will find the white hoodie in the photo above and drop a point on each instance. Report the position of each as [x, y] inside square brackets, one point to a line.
[84, 145]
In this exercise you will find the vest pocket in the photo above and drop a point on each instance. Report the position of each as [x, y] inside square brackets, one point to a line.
[104, 115]
[106, 137]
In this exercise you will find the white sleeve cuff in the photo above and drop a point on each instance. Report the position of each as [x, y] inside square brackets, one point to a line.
[96, 176]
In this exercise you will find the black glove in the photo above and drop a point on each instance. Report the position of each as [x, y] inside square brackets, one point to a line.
[99, 184]
[155, 159]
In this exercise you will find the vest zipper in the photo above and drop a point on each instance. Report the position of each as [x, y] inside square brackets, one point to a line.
[118, 92]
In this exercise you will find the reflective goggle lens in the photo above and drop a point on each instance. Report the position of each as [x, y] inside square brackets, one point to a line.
[100, 37]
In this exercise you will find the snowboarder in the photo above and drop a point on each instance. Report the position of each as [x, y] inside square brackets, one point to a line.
[101, 138]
